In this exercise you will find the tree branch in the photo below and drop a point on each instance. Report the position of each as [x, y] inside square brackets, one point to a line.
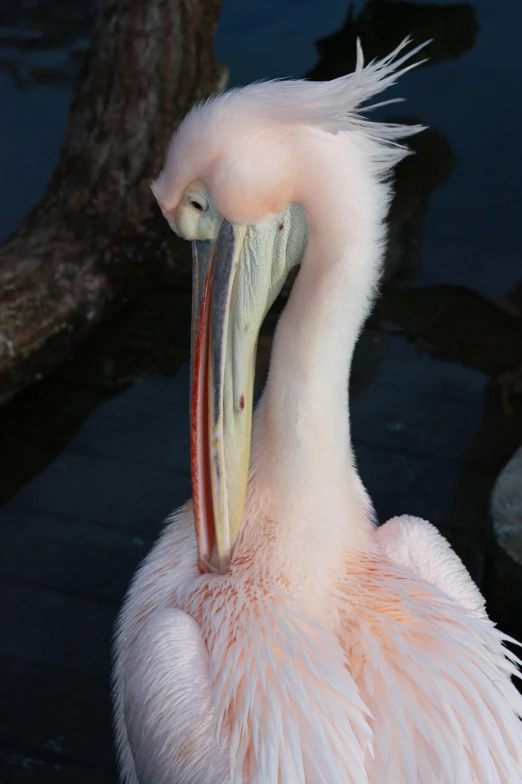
[95, 240]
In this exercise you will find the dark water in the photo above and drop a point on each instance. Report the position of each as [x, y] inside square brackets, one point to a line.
[472, 226]
[90, 474]
[472, 231]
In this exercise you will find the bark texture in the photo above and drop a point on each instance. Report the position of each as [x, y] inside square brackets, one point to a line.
[95, 239]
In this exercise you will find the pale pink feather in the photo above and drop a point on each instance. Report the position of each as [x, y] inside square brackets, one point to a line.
[337, 653]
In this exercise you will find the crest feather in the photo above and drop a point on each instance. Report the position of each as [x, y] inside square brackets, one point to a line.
[218, 126]
[334, 106]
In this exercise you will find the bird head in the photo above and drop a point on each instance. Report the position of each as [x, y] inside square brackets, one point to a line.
[233, 180]
[227, 186]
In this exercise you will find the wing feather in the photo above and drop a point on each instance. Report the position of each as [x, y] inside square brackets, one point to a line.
[167, 707]
[430, 665]
[417, 545]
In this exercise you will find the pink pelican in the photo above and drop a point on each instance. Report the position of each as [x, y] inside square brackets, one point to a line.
[274, 634]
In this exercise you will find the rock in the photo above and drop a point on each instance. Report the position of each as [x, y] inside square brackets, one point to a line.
[503, 568]
[506, 508]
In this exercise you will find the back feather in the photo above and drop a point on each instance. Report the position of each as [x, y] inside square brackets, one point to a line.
[436, 679]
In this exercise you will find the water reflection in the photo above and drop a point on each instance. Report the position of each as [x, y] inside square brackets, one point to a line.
[458, 324]
[416, 177]
[382, 25]
[43, 42]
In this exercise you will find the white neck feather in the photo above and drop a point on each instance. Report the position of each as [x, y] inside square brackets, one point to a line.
[302, 450]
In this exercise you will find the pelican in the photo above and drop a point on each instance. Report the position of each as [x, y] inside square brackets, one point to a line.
[275, 634]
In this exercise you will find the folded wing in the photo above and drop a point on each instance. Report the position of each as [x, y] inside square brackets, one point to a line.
[167, 707]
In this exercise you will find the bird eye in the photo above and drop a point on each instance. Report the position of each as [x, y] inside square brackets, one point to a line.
[198, 203]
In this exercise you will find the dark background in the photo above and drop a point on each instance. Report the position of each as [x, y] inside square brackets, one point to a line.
[96, 455]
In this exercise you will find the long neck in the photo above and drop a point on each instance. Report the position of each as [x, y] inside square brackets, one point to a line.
[302, 434]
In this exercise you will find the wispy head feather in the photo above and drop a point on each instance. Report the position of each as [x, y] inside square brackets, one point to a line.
[332, 106]
[225, 126]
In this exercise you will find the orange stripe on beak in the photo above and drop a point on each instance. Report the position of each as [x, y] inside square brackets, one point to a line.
[199, 431]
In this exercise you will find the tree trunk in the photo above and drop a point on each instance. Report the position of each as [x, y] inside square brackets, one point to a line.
[95, 238]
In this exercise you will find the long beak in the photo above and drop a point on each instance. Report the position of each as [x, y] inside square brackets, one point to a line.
[235, 281]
